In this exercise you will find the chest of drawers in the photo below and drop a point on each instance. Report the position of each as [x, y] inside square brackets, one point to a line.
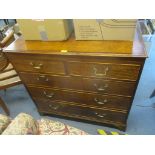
[93, 81]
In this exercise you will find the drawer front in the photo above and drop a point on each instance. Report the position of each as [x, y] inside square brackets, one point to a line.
[93, 85]
[109, 86]
[87, 99]
[36, 63]
[52, 81]
[104, 70]
[54, 107]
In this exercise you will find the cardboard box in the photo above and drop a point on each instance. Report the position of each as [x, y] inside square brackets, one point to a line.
[45, 29]
[108, 29]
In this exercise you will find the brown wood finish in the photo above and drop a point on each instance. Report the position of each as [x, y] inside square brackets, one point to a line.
[8, 68]
[38, 64]
[71, 109]
[97, 59]
[79, 77]
[5, 108]
[8, 38]
[8, 78]
[101, 86]
[82, 98]
[104, 70]
[3, 61]
[52, 80]
[86, 48]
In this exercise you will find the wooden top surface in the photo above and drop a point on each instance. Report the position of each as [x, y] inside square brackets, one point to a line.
[74, 47]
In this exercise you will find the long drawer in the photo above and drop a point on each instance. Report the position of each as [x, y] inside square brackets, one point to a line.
[38, 63]
[55, 107]
[104, 70]
[88, 99]
[67, 82]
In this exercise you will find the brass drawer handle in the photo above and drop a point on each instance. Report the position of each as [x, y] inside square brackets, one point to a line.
[100, 115]
[99, 102]
[99, 74]
[36, 66]
[102, 88]
[49, 95]
[53, 107]
[42, 77]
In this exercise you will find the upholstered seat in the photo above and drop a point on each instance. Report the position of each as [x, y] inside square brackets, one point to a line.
[25, 124]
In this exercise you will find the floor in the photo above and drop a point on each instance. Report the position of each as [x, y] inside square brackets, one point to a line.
[11, 22]
[141, 120]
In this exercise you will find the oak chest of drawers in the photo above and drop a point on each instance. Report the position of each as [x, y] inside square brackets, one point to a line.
[88, 80]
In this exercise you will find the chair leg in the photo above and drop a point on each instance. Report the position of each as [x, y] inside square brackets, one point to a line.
[153, 94]
[6, 21]
[5, 108]
[4, 91]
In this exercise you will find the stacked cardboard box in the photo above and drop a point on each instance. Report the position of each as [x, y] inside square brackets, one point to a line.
[108, 29]
[45, 29]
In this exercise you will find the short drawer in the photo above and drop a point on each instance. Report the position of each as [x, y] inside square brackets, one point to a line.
[109, 86]
[104, 70]
[37, 63]
[81, 98]
[60, 108]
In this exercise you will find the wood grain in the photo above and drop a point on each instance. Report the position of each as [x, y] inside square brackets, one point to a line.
[63, 107]
[74, 47]
[82, 98]
[76, 83]
[104, 70]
